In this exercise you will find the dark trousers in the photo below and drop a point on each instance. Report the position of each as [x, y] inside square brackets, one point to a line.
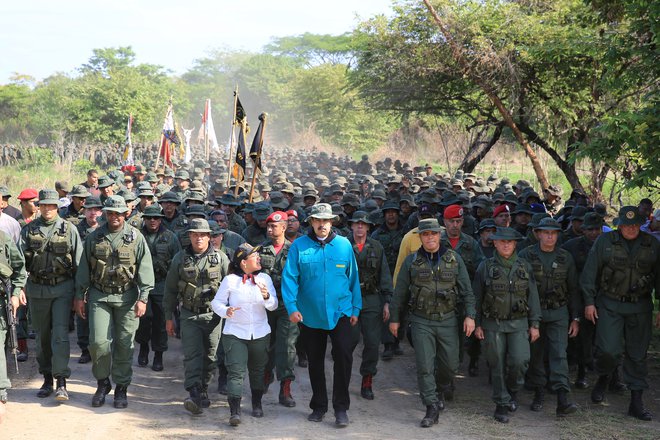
[152, 325]
[314, 342]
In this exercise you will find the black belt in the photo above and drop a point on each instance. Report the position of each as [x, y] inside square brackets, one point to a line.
[199, 310]
[113, 289]
[48, 281]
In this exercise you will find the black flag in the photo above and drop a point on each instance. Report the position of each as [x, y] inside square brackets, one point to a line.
[258, 142]
[239, 164]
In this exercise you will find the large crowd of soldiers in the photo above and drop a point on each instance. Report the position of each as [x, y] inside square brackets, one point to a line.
[459, 263]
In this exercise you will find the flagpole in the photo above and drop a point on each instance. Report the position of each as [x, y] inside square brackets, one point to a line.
[231, 138]
[242, 173]
[160, 144]
[263, 118]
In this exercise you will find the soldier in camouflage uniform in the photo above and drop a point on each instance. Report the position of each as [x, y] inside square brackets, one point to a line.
[376, 288]
[284, 333]
[508, 310]
[163, 245]
[431, 282]
[74, 211]
[193, 279]
[115, 277]
[618, 279]
[52, 249]
[229, 204]
[557, 285]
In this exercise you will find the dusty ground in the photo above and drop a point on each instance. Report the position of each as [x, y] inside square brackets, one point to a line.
[155, 410]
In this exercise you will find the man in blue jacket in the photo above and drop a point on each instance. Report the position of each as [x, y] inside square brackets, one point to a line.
[320, 284]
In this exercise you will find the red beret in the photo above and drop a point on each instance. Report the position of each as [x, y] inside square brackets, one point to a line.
[500, 209]
[292, 213]
[277, 216]
[28, 194]
[453, 211]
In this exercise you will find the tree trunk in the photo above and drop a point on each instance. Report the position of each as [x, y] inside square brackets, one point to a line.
[459, 55]
[479, 149]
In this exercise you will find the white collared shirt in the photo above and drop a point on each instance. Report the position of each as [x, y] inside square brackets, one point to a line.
[251, 321]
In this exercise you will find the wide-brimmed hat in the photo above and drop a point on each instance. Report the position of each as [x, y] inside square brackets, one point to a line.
[390, 205]
[592, 220]
[216, 229]
[105, 181]
[578, 213]
[153, 211]
[199, 225]
[195, 210]
[523, 208]
[277, 200]
[261, 211]
[322, 211]
[548, 224]
[79, 191]
[629, 215]
[506, 234]
[429, 224]
[93, 202]
[229, 200]
[360, 216]
[48, 197]
[171, 197]
[63, 186]
[115, 203]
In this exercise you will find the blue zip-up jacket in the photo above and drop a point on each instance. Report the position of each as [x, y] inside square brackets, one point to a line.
[320, 280]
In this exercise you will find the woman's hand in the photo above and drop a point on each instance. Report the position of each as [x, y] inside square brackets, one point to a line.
[231, 310]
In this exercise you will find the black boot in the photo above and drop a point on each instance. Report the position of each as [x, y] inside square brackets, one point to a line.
[441, 400]
[473, 368]
[366, 390]
[598, 393]
[636, 408]
[513, 403]
[193, 403]
[121, 399]
[257, 410]
[302, 359]
[388, 352]
[103, 388]
[222, 380]
[396, 348]
[85, 357]
[206, 402]
[502, 413]
[157, 365]
[143, 356]
[616, 385]
[47, 387]
[564, 407]
[539, 396]
[234, 410]
[285, 398]
[581, 381]
[61, 394]
[431, 417]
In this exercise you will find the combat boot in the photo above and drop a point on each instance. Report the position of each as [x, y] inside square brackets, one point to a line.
[193, 403]
[473, 368]
[121, 399]
[396, 348]
[636, 408]
[285, 396]
[234, 410]
[47, 387]
[366, 391]
[616, 385]
[539, 396]
[598, 393]
[441, 400]
[513, 402]
[257, 410]
[143, 356]
[85, 357]
[222, 380]
[581, 381]
[204, 394]
[431, 417]
[157, 365]
[23, 352]
[61, 394]
[302, 359]
[502, 413]
[388, 352]
[103, 388]
[564, 407]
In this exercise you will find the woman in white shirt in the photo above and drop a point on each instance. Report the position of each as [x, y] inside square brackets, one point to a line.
[243, 298]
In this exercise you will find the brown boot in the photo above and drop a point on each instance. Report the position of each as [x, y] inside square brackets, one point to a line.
[286, 398]
[366, 390]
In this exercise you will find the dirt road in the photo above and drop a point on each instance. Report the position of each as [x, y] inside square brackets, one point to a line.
[155, 410]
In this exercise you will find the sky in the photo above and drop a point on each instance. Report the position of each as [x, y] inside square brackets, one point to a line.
[42, 37]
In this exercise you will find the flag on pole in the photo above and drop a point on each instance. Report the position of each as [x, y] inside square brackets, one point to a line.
[239, 163]
[258, 142]
[207, 120]
[170, 137]
[187, 134]
[240, 112]
[128, 150]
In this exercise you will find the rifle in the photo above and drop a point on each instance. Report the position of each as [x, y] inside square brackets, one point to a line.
[11, 322]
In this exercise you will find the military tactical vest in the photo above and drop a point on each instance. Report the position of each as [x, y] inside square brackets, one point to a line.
[48, 258]
[552, 285]
[273, 265]
[114, 271]
[160, 252]
[433, 290]
[199, 279]
[465, 250]
[6, 270]
[368, 262]
[626, 277]
[505, 298]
